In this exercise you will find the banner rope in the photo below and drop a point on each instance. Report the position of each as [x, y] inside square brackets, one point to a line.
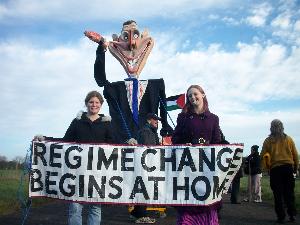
[24, 200]
[123, 120]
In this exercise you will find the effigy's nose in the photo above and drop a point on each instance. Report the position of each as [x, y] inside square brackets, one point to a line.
[132, 41]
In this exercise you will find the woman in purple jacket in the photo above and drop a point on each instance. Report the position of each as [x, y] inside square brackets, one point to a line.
[197, 125]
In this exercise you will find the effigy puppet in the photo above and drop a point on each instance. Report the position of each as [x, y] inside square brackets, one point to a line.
[131, 99]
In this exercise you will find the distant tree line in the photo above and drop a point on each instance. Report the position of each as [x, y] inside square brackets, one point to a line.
[14, 164]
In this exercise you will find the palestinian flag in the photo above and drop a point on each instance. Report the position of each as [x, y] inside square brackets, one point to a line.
[175, 102]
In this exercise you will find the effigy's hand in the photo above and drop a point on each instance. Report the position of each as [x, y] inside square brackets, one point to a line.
[94, 36]
[39, 137]
[132, 141]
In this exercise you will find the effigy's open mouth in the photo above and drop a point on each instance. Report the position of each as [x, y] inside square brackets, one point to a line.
[134, 60]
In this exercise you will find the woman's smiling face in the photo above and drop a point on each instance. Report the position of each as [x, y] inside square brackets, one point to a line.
[195, 97]
[93, 106]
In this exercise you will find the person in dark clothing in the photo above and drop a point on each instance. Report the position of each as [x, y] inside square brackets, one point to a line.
[253, 169]
[235, 187]
[146, 136]
[87, 127]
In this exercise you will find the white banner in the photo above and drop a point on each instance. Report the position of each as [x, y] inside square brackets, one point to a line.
[167, 175]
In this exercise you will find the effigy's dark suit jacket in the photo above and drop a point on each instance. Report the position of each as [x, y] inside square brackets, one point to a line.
[115, 93]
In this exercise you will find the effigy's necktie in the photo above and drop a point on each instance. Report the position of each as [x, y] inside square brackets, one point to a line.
[135, 110]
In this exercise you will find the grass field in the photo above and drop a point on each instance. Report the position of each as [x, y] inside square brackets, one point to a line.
[10, 182]
[10, 189]
[267, 194]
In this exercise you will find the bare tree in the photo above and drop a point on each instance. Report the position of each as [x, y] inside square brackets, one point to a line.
[3, 158]
[3, 162]
[18, 161]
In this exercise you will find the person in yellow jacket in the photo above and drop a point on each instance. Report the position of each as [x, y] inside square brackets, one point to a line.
[280, 155]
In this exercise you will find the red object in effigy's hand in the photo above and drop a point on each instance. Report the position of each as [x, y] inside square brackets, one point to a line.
[94, 36]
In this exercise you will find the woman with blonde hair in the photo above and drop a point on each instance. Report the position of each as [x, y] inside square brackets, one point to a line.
[283, 159]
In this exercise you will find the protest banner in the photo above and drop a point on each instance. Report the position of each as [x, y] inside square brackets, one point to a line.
[122, 174]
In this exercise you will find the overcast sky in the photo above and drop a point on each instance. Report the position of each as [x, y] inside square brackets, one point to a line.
[245, 54]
